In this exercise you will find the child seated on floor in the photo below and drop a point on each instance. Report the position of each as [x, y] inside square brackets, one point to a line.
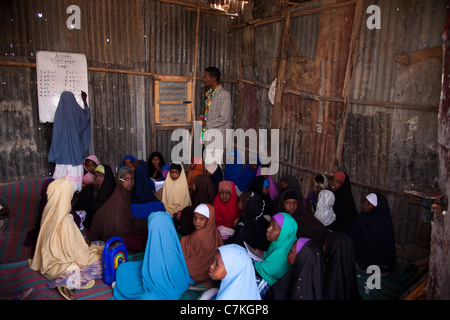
[226, 206]
[196, 168]
[115, 218]
[203, 191]
[281, 233]
[265, 171]
[252, 226]
[127, 161]
[313, 197]
[324, 210]
[143, 188]
[155, 163]
[89, 164]
[305, 280]
[234, 268]
[175, 193]
[199, 247]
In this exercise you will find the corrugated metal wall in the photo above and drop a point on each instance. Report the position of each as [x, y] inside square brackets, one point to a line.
[216, 47]
[397, 147]
[390, 142]
[124, 41]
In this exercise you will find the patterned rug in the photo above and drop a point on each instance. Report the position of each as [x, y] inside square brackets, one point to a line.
[17, 276]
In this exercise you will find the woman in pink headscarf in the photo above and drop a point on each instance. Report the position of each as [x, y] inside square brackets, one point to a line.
[89, 165]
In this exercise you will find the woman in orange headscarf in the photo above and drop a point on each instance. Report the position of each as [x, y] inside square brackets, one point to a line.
[195, 168]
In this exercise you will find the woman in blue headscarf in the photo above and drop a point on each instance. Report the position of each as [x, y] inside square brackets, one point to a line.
[143, 186]
[249, 173]
[234, 167]
[163, 273]
[128, 160]
[239, 282]
[70, 138]
[143, 198]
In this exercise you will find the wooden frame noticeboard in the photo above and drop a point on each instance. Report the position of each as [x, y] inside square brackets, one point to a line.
[173, 101]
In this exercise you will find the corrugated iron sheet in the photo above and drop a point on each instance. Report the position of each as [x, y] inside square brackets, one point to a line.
[390, 142]
[397, 147]
[124, 41]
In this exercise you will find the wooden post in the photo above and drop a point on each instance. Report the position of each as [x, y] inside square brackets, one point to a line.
[152, 83]
[348, 81]
[276, 112]
[438, 287]
[438, 281]
[193, 118]
[240, 106]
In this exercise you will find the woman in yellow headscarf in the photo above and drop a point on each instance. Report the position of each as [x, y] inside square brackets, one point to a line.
[175, 192]
[61, 250]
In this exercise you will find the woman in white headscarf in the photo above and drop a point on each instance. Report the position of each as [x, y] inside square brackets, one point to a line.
[324, 211]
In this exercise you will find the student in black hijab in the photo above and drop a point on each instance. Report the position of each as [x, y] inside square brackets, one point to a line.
[344, 204]
[340, 278]
[252, 225]
[372, 233]
[260, 185]
[155, 164]
[289, 182]
[306, 279]
[94, 195]
[308, 225]
[143, 188]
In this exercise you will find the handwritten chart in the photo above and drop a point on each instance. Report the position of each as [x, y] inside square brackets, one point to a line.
[58, 72]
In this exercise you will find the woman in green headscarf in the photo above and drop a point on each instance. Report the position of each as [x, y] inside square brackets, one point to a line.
[282, 234]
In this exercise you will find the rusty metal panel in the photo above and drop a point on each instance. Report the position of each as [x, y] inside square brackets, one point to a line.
[386, 147]
[115, 35]
[406, 27]
[173, 29]
[310, 125]
[118, 127]
[107, 35]
[24, 142]
[304, 30]
[396, 148]
[174, 54]
[110, 40]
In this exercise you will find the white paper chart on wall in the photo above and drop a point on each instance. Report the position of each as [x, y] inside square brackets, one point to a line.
[58, 72]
